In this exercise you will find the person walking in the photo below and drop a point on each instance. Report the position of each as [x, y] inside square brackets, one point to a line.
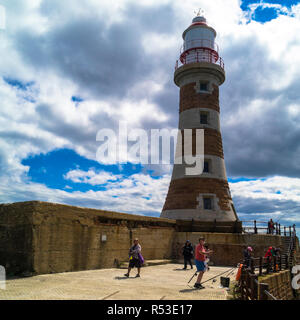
[135, 258]
[187, 252]
[200, 256]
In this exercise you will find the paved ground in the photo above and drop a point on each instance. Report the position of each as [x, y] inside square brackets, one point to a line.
[157, 282]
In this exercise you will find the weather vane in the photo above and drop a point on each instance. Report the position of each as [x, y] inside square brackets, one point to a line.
[200, 12]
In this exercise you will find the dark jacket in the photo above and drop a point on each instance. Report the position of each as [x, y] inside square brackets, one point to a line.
[187, 251]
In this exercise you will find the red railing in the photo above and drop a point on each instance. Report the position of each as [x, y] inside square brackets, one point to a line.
[199, 50]
[199, 55]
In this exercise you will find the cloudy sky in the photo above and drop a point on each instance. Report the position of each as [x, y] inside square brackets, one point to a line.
[70, 68]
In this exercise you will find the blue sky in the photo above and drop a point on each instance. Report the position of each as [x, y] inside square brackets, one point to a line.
[266, 10]
[89, 65]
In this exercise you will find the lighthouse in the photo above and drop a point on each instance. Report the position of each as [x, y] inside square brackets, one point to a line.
[199, 73]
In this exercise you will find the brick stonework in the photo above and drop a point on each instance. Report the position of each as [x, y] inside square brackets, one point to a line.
[212, 142]
[183, 193]
[190, 99]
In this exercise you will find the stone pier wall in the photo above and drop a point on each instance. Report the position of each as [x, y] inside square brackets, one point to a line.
[39, 238]
[279, 285]
[228, 247]
[16, 233]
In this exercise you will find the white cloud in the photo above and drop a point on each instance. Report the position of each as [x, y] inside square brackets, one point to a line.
[289, 189]
[138, 194]
[90, 177]
[119, 57]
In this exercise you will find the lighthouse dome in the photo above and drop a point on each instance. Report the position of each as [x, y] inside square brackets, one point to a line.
[199, 19]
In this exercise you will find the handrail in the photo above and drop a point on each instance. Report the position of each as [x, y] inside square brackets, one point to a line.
[257, 221]
[249, 283]
[270, 295]
[278, 228]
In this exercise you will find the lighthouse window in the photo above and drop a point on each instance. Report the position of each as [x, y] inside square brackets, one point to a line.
[203, 117]
[203, 86]
[207, 202]
[206, 166]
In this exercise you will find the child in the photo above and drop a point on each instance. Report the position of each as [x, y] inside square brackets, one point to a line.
[206, 259]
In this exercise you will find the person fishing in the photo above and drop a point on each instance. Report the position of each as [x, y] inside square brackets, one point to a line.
[187, 252]
[270, 253]
[135, 258]
[200, 256]
[271, 226]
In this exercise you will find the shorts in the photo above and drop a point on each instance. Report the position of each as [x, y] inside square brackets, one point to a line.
[134, 263]
[200, 265]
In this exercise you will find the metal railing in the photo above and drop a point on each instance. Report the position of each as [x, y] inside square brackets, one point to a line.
[250, 287]
[199, 55]
[262, 227]
[199, 50]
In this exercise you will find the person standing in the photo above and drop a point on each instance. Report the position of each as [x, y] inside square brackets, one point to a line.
[187, 251]
[271, 226]
[247, 256]
[268, 256]
[200, 256]
[206, 260]
[135, 258]
[270, 253]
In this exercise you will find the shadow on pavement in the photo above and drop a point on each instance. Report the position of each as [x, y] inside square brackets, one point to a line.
[188, 290]
[181, 269]
[124, 278]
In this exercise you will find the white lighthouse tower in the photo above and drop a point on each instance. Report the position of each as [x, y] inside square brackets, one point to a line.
[199, 73]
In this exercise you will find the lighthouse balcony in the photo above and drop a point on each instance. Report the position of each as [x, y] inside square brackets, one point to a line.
[197, 55]
[199, 51]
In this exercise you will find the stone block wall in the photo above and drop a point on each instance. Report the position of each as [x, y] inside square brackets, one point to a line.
[40, 238]
[227, 247]
[16, 252]
[279, 285]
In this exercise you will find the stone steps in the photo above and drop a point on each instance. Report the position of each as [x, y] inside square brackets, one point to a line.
[148, 263]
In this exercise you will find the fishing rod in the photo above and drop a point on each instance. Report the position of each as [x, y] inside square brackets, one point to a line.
[227, 271]
[192, 277]
[218, 275]
[284, 214]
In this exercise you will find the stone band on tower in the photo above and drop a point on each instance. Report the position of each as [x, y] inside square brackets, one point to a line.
[205, 196]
